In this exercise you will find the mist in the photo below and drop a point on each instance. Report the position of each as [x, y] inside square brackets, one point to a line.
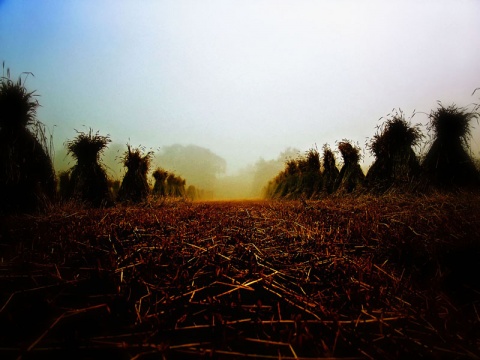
[199, 166]
[207, 171]
[250, 182]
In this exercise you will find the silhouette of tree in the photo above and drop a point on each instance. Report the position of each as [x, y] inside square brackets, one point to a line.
[197, 164]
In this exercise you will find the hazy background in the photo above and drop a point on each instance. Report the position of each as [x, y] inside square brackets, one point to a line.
[220, 88]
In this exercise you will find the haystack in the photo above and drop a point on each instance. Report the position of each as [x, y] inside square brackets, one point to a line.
[27, 177]
[289, 184]
[160, 186]
[273, 188]
[351, 176]
[330, 171]
[175, 186]
[310, 175]
[88, 178]
[396, 165]
[191, 193]
[134, 186]
[448, 164]
[64, 190]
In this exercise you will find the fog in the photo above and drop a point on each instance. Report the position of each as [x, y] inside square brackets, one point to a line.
[199, 166]
[207, 171]
[243, 79]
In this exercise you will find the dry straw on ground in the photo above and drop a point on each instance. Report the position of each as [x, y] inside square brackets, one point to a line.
[363, 277]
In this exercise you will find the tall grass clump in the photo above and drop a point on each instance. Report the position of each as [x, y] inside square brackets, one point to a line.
[448, 164]
[396, 164]
[27, 177]
[88, 178]
[351, 176]
[134, 186]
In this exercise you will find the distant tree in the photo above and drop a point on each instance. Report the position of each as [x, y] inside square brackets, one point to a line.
[88, 178]
[197, 164]
[134, 186]
[27, 177]
[448, 164]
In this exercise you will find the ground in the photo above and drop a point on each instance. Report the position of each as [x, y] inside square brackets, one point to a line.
[344, 277]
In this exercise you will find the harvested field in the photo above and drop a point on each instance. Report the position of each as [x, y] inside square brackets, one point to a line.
[346, 278]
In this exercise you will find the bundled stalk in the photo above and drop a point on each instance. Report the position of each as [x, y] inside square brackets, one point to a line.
[192, 193]
[285, 184]
[160, 186]
[134, 186]
[300, 178]
[330, 170]
[448, 164]
[64, 185]
[175, 186]
[351, 176]
[27, 178]
[88, 178]
[396, 164]
[310, 175]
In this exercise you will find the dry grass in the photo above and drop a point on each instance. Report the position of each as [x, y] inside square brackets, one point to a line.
[351, 277]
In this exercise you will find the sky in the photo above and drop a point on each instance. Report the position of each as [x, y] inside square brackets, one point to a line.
[245, 79]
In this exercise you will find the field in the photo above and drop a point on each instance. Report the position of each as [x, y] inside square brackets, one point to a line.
[345, 278]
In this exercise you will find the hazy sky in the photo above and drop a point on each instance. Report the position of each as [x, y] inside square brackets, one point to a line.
[243, 78]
